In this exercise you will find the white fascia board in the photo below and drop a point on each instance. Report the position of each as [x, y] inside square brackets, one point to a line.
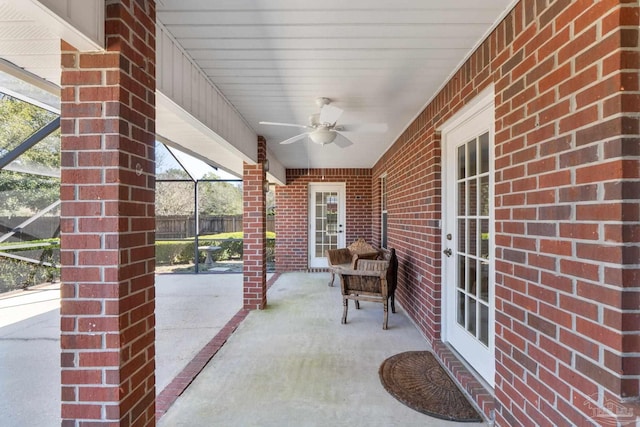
[78, 22]
[191, 135]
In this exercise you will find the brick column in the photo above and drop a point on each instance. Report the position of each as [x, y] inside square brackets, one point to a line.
[107, 224]
[255, 229]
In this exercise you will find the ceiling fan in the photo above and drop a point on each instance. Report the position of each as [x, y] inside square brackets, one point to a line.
[322, 127]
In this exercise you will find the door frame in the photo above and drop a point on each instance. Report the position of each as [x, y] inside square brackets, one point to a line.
[483, 104]
[313, 188]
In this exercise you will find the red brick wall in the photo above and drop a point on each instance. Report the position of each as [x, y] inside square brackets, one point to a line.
[413, 208]
[255, 227]
[107, 224]
[566, 76]
[292, 202]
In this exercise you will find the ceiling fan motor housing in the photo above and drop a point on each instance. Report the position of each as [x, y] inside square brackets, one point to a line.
[323, 135]
[322, 127]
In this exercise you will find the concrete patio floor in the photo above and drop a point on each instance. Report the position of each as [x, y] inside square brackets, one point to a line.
[295, 364]
[190, 310]
[30, 357]
[292, 364]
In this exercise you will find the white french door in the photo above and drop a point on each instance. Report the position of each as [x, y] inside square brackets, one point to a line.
[468, 235]
[327, 216]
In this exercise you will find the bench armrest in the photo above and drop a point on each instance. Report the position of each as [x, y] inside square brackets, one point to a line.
[339, 256]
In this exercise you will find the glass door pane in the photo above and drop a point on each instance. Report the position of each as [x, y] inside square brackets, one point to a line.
[326, 221]
[467, 236]
[473, 238]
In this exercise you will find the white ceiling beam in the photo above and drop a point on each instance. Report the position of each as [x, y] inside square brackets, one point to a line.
[78, 22]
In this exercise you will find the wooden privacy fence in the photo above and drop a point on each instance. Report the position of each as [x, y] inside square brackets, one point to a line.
[167, 227]
[181, 227]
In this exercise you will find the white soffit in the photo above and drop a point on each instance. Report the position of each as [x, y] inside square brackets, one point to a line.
[30, 32]
[78, 22]
[378, 60]
[187, 93]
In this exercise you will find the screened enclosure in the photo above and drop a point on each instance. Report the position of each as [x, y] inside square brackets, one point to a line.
[199, 216]
[29, 185]
[198, 208]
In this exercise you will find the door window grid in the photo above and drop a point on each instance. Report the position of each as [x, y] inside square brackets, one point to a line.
[326, 222]
[473, 237]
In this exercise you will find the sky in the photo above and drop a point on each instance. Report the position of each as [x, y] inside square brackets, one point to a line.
[196, 167]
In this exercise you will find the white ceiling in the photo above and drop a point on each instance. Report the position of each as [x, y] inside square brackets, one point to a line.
[378, 60]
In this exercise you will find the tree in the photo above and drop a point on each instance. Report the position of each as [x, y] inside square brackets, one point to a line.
[219, 198]
[19, 120]
[174, 198]
[31, 182]
[271, 201]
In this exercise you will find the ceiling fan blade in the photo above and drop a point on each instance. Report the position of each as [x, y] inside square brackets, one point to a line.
[365, 128]
[330, 114]
[293, 125]
[343, 141]
[294, 138]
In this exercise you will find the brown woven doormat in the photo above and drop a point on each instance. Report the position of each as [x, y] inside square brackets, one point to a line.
[416, 379]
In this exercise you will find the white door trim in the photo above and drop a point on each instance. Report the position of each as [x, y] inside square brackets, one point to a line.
[473, 120]
[340, 233]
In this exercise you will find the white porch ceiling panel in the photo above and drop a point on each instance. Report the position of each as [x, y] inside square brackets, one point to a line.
[378, 60]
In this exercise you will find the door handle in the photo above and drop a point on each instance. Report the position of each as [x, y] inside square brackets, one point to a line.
[448, 252]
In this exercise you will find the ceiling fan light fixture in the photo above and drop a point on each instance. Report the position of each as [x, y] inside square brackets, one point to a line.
[323, 136]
